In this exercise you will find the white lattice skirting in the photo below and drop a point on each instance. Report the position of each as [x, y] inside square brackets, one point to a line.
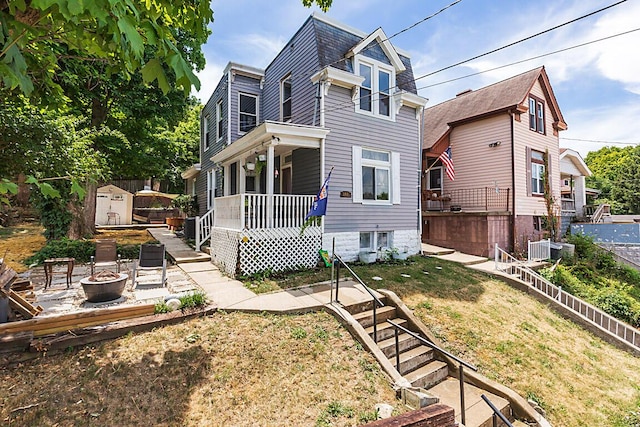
[278, 249]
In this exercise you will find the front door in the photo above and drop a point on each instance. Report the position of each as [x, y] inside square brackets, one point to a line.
[287, 187]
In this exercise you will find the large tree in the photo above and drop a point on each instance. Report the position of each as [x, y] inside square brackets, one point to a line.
[608, 165]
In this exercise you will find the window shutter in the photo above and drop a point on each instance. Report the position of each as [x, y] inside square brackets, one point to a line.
[548, 171]
[395, 178]
[357, 174]
[528, 165]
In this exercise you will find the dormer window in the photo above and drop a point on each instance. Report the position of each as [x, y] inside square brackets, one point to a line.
[375, 89]
[248, 109]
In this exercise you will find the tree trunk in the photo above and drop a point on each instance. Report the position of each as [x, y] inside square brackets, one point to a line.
[83, 214]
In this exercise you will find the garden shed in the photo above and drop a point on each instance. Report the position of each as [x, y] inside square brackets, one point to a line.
[114, 206]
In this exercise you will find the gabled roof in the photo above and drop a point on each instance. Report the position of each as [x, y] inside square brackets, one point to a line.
[381, 39]
[335, 43]
[574, 157]
[509, 94]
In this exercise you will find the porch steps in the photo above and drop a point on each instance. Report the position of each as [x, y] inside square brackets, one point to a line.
[423, 367]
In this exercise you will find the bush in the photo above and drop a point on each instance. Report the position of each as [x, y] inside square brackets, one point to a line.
[81, 250]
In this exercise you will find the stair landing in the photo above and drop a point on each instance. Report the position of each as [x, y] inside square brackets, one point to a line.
[478, 413]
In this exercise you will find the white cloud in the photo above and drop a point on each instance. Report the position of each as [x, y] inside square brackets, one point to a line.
[612, 124]
[209, 78]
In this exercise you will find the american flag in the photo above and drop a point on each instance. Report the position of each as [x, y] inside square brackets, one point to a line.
[447, 161]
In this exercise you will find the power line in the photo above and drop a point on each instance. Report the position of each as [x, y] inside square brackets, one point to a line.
[529, 59]
[347, 104]
[521, 40]
[600, 141]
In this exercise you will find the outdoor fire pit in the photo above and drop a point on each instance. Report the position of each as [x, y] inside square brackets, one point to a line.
[104, 286]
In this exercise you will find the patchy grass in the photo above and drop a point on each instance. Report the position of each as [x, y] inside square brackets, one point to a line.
[227, 369]
[22, 241]
[577, 378]
[19, 243]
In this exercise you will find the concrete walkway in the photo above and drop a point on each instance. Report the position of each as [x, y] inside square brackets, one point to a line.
[178, 250]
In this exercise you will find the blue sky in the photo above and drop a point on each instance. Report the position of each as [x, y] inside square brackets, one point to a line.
[597, 86]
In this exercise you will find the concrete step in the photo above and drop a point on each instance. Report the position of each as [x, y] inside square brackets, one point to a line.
[413, 359]
[405, 342]
[385, 330]
[478, 413]
[428, 375]
[365, 305]
[365, 318]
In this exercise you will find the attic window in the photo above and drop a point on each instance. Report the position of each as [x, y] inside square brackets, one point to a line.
[536, 115]
[376, 88]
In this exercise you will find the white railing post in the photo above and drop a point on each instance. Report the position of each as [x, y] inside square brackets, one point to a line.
[197, 227]
[495, 255]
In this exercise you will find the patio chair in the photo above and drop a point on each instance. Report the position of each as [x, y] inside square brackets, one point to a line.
[106, 255]
[152, 257]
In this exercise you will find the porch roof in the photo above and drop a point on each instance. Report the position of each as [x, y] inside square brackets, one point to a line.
[272, 133]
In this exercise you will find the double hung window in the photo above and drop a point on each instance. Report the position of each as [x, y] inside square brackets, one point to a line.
[537, 172]
[219, 120]
[205, 132]
[376, 166]
[375, 89]
[536, 115]
[248, 109]
[285, 97]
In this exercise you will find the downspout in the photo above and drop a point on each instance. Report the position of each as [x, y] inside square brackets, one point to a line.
[229, 107]
[420, 139]
[321, 88]
[513, 183]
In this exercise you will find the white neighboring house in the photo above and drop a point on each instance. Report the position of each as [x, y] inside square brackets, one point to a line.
[573, 171]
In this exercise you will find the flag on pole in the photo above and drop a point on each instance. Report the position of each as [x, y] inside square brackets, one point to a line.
[447, 161]
[319, 206]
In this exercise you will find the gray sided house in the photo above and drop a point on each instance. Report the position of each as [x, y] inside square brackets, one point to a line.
[334, 98]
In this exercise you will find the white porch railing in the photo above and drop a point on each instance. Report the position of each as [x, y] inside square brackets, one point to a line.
[539, 251]
[203, 228]
[261, 211]
[602, 211]
[623, 332]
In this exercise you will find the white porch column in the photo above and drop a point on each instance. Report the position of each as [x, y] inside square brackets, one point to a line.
[270, 181]
[580, 194]
[242, 185]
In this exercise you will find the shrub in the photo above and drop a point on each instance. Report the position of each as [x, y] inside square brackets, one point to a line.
[81, 250]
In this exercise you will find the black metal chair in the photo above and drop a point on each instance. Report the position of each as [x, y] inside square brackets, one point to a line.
[152, 257]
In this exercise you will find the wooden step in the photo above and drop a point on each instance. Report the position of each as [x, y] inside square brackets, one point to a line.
[386, 330]
[382, 313]
[478, 413]
[405, 342]
[413, 359]
[428, 375]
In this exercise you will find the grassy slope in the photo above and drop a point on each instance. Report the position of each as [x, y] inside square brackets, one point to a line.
[225, 370]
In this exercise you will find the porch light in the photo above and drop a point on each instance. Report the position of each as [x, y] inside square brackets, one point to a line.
[262, 157]
[276, 173]
[250, 166]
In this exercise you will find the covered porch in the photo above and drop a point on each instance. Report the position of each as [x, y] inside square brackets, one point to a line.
[255, 224]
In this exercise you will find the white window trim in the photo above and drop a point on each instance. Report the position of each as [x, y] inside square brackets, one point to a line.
[211, 187]
[256, 97]
[537, 167]
[219, 118]
[394, 176]
[282, 100]
[205, 132]
[376, 66]
[373, 239]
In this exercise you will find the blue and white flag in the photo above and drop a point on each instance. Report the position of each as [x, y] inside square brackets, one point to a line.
[319, 206]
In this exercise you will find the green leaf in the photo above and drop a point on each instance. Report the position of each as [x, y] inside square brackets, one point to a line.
[127, 25]
[7, 186]
[77, 189]
[48, 191]
[153, 70]
[76, 7]
[31, 180]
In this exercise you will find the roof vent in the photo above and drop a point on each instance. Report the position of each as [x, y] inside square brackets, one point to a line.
[464, 92]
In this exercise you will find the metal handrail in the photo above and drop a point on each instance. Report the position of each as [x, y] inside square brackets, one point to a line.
[376, 300]
[461, 363]
[496, 413]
